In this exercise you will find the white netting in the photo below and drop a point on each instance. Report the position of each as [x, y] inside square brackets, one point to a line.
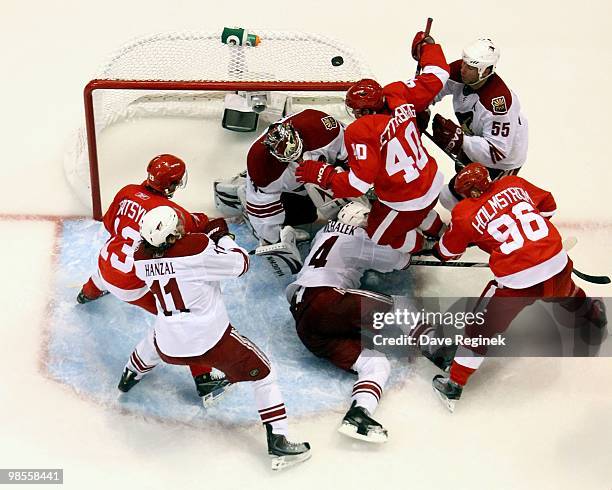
[281, 56]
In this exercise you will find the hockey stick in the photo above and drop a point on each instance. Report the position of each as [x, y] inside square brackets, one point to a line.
[427, 29]
[590, 278]
[568, 244]
[452, 157]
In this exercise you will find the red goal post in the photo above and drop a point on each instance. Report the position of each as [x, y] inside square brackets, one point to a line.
[156, 77]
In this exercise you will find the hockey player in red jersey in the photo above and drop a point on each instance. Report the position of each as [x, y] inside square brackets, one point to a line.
[329, 311]
[165, 174]
[492, 129]
[385, 152]
[509, 219]
[183, 270]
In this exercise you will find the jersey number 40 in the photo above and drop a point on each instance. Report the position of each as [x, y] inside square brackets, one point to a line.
[406, 155]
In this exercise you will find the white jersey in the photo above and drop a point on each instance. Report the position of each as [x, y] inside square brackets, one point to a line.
[191, 314]
[339, 256]
[495, 128]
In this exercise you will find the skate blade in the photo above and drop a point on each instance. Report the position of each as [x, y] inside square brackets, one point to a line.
[283, 462]
[375, 436]
[449, 404]
[212, 398]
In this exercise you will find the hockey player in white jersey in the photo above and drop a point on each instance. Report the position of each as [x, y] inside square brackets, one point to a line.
[184, 271]
[492, 128]
[328, 310]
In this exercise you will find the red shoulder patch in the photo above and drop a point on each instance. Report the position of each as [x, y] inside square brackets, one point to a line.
[317, 128]
[495, 95]
[455, 71]
[190, 244]
[262, 167]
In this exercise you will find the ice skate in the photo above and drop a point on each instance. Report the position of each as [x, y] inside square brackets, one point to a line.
[284, 453]
[88, 296]
[442, 357]
[358, 424]
[211, 386]
[448, 391]
[596, 314]
[128, 380]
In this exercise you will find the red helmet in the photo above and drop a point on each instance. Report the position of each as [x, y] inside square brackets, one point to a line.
[366, 94]
[472, 176]
[166, 173]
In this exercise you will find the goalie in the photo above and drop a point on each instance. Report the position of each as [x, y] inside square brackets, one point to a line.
[272, 200]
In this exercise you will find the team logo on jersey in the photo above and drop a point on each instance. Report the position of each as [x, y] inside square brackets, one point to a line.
[142, 196]
[499, 105]
[253, 372]
[329, 123]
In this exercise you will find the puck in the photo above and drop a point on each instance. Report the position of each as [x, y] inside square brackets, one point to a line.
[337, 60]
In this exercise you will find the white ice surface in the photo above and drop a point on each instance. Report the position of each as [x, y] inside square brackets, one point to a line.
[523, 423]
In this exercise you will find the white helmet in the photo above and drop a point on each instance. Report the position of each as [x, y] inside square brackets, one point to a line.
[355, 213]
[481, 54]
[158, 224]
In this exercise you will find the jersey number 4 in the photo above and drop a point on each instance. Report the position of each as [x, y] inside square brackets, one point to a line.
[505, 229]
[319, 259]
[409, 162]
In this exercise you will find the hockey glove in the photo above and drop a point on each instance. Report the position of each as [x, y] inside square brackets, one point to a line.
[447, 135]
[313, 172]
[216, 229]
[420, 38]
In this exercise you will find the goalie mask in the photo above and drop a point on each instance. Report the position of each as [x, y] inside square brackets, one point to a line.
[166, 173]
[354, 214]
[161, 227]
[284, 142]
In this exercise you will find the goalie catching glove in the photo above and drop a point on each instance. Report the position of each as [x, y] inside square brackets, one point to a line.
[313, 172]
[447, 135]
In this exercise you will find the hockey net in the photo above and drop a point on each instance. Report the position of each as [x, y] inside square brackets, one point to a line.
[188, 74]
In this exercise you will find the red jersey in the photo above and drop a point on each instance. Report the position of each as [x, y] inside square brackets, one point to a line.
[510, 222]
[385, 150]
[122, 221]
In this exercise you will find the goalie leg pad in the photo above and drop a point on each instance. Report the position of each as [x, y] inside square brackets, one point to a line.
[227, 200]
[284, 256]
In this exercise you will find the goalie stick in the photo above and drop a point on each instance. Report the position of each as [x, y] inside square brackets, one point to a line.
[568, 244]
